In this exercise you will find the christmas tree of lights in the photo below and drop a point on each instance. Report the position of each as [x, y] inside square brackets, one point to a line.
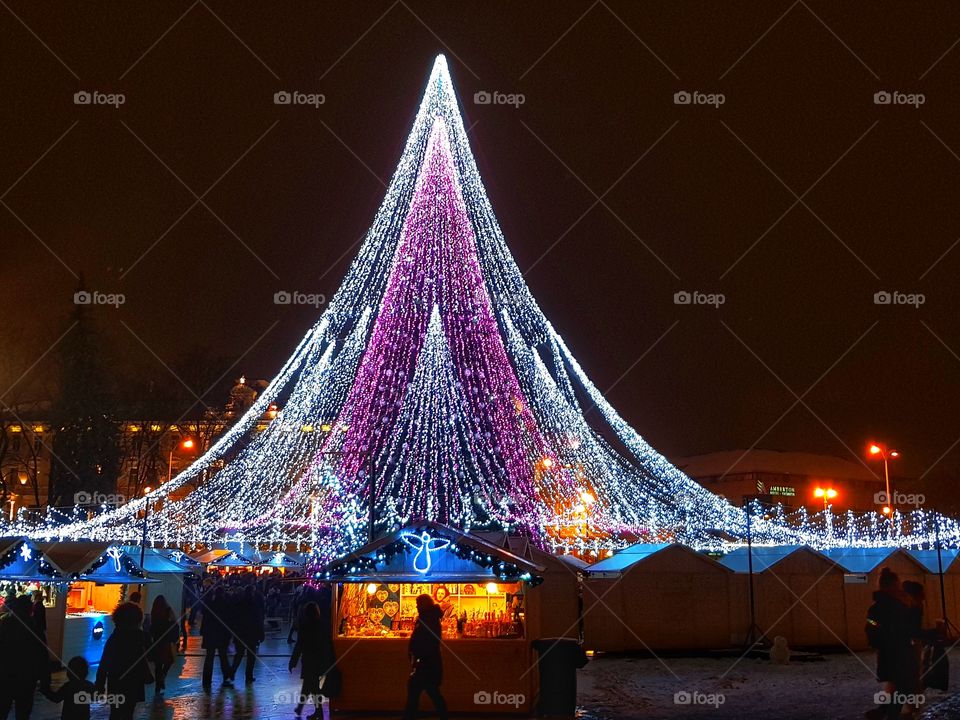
[433, 387]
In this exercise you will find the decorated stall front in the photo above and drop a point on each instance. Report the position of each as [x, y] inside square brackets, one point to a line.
[95, 577]
[482, 589]
[25, 570]
[278, 561]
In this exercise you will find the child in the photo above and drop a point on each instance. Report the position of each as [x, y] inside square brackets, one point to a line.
[76, 693]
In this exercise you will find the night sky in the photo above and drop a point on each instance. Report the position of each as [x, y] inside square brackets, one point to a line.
[797, 199]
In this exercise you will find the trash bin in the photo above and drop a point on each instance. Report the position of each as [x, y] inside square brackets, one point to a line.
[558, 661]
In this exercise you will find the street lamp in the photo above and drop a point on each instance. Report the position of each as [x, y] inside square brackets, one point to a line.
[186, 444]
[886, 454]
[827, 494]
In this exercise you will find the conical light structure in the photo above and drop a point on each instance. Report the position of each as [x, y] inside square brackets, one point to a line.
[433, 387]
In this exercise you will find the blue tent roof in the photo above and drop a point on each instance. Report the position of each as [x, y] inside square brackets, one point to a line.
[278, 559]
[928, 558]
[764, 557]
[21, 560]
[94, 562]
[627, 557]
[861, 560]
[235, 559]
[155, 560]
[180, 558]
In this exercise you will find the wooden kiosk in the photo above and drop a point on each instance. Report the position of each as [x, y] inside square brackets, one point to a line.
[482, 588]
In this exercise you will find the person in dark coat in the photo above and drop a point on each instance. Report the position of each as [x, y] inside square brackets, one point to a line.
[164, 636]
[123, 670]
[247, 630]
[427, 664]
[890, 631]
[24, 661]
[314, 651]
[216, 634]
[39, 614]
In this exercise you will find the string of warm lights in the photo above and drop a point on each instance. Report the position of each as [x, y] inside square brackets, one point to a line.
[435, 385]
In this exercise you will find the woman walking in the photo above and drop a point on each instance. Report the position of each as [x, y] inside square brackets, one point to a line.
[164, 636]
[314, 651]
[425, 658]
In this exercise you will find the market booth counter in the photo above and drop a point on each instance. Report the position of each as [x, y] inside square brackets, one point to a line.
[93, 577]
[482, 589]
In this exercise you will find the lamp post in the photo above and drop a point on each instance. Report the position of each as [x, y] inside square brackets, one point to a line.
[827, 494]
[886, 454]
[143, 534]
[186, 444]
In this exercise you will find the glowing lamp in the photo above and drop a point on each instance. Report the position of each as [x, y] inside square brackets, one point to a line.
[372, 589]
[886, 509]
[187, 444]
[492, 589]
[875, 450]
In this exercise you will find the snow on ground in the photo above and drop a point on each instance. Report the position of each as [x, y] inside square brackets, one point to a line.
[839, 687]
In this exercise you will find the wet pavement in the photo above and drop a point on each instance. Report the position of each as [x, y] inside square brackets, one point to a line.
[271, 696]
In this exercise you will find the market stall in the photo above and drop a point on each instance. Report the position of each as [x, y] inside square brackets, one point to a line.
[482, 589]
[278, 561]
[799, 594]
[181, 559]
[862, 567]
[657, 596]
[170, 577]
[96, 577]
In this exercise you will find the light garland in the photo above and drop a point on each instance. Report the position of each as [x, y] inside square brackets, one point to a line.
[434, 381]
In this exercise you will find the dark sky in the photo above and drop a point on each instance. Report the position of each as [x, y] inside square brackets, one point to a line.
[877, 188]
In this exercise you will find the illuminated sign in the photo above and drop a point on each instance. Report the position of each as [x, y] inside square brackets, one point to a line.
[783, 490]
[116, 555]
[25, 552]
[424, 544]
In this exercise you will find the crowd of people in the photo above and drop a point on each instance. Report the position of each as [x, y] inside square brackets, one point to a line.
[141, 650]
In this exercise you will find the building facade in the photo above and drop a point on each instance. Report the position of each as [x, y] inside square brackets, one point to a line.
[794, 479]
